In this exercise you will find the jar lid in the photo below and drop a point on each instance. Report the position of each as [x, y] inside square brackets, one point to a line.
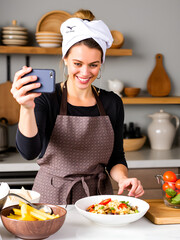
[161, 114]
[14, 27]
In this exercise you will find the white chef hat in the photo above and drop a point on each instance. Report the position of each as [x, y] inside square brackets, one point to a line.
[74, 30]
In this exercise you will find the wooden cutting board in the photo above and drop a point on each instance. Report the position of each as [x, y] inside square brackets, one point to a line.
[159, 84]
[9, 108]
[159, 213]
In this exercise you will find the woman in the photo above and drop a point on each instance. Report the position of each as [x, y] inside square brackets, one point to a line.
[76, 131]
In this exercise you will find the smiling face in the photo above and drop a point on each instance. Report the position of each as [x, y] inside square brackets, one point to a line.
[83, 65]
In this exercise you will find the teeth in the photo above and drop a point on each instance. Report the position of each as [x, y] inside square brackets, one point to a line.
[83, 79]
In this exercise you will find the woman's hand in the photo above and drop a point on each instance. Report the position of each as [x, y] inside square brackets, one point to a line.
[20, 90]
[133, 185]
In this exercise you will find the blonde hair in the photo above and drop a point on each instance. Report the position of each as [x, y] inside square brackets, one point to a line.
[84, 14]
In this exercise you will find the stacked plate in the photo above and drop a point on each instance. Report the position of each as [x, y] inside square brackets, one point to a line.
[48, 39]
[48, 28]
[14, 35]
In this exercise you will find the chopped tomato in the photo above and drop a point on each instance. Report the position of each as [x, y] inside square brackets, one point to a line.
[169, 176]
[106, 201]
[90, 208]
[122, 205]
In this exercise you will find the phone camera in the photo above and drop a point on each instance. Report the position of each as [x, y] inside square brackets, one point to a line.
[51, 74]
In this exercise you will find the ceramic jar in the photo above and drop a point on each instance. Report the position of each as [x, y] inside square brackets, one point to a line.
[116, 86]
[161, 131]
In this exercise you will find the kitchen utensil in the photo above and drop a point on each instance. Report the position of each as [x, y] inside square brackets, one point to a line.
[3, 134]
[131, 92]
[170, 201]
[9, 108]
[161, 131]
[52, 21]
[159, 213]
[158, 84]
[118, 39]
[133, 144]
[111, 220]
[30, 195]
[116, 86]
[46, 208]
[33, 229]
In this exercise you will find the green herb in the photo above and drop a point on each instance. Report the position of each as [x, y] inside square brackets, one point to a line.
[112, 208]
[101, 207]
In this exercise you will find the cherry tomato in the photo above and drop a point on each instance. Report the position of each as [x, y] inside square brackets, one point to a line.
[168, 196]
[169, 176]
[177, 184]
[106, 201]
[165, 186]
[172, 185]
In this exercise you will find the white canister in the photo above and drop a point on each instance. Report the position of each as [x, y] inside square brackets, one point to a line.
[161, 131]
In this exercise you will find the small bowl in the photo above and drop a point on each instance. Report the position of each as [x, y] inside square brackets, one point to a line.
[118, 39]
[133, 144]
[35, 197]
[33, 229]
[167, 199]
[131, 92]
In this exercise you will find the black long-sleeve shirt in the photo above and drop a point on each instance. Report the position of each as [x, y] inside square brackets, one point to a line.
[46, 110]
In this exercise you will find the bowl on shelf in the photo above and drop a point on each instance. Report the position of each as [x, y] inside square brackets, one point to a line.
[48, 39]
[118, 39]
[170, 191]
[33, 229]
[131, 92]
[133, 144]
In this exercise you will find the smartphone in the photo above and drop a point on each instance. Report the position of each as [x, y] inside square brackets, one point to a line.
[47, 79]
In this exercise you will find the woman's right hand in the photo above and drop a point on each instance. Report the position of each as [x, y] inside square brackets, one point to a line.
[20, 90]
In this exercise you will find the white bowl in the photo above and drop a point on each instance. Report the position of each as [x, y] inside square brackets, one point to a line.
[111, 220]
[34, 195]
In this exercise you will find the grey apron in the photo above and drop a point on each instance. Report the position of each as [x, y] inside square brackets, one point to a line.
[74, 163]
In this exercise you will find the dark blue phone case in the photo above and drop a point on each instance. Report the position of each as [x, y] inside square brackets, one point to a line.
[47, 79]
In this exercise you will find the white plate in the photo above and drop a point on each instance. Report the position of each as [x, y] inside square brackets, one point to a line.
[49, 45]
[21, 37]
[111, 220]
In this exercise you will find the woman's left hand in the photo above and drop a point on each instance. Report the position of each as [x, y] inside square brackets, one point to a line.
[133, 185]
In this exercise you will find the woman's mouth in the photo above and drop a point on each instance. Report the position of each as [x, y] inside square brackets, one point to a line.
[83, 80]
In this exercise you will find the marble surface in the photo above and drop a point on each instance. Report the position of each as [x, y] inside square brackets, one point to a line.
[80, 228]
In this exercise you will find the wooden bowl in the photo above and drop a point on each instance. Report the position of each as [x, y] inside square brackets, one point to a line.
[133, 144]
[33, 229]
[131, 92]
[118, 39]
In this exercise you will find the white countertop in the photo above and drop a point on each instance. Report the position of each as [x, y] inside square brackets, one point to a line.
[145, 158]
[78, 227]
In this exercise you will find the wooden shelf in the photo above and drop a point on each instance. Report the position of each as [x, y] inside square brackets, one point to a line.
[151, 100]
[54, 51]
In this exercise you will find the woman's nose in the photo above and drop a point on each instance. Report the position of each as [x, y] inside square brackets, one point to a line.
[84, 70]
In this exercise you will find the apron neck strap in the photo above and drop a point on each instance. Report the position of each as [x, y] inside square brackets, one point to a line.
[63, 107]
